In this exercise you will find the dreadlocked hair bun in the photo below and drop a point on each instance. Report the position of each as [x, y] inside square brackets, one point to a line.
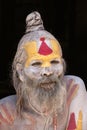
[34, 22]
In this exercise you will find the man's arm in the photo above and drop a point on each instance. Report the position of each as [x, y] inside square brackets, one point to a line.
[78, 107]
[7, 110]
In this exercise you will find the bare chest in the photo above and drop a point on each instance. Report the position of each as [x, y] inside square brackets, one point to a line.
[36, 123]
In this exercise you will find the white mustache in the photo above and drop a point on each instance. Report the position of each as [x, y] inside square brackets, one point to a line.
[47, 80]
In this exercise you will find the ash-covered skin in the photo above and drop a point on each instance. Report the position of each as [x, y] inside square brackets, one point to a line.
[38, 78]
[45, 99]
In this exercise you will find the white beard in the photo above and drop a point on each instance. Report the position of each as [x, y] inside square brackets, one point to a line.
[42, 100]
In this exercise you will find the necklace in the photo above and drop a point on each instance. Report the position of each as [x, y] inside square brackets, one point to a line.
[55, 121]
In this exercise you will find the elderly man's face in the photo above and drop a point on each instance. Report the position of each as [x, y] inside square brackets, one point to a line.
[43, 69]
[43, 62]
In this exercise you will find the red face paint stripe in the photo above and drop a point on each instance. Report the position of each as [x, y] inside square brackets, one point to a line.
[44, 49]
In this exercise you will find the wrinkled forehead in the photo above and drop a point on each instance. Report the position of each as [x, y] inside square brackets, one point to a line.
[43, 48]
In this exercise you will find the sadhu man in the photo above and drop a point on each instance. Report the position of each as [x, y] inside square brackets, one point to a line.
[45, 98]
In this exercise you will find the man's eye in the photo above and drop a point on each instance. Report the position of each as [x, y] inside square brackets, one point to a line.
[37, 64]
[55, 62]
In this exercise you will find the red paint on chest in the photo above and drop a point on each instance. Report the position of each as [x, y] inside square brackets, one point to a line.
[44, 49]
[72, 122]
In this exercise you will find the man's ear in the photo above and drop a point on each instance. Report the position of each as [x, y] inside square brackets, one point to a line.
[20, 72]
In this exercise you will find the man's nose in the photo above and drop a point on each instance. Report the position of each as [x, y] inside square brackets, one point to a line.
[47, 71]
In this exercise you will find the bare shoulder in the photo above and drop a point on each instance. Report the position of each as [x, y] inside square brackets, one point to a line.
[78, 87]
[78, 106]
[80, 93]
[9, 101]
[7, 109]
[11, 98]
[77, 80]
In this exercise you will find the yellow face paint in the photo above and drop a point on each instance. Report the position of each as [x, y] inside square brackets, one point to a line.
[32, 53]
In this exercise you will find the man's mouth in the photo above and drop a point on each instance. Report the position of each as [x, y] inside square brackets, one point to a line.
[48, 85]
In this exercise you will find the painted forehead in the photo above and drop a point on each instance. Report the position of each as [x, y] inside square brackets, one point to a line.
[44, 48]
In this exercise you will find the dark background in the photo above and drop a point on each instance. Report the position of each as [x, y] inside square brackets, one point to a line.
[65, 19]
